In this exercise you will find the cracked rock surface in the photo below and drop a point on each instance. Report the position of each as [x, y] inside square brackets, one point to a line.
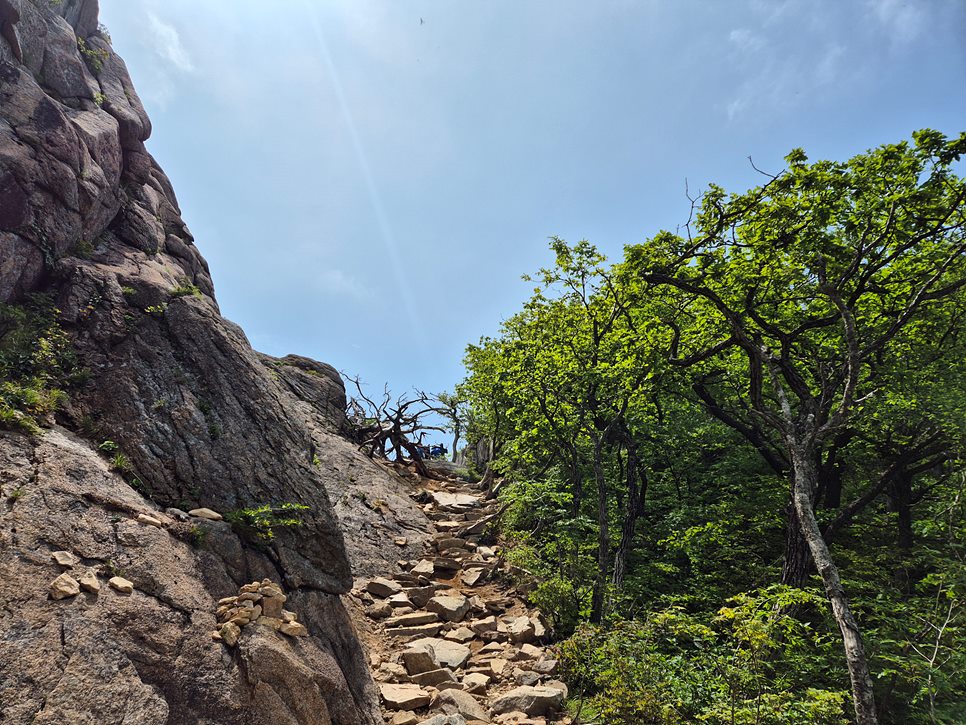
[205, 422]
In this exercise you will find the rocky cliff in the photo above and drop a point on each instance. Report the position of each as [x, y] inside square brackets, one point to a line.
[173, 412]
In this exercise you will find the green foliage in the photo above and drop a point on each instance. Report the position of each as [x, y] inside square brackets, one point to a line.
[197, 536]
[186, 288]
[750, 663]
[261, 522]
[36, 362]
[84, 248]
[93, 57]
[642, 413]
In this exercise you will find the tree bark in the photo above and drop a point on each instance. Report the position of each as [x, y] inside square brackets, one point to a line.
[805, 481]
[603, 536]
[901, 495]
[633, 509]
[796, 559]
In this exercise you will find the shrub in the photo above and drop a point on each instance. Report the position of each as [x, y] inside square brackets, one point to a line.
[185, 288]
[93, 57]
[36, 362]
[752, 663]
[260, 522]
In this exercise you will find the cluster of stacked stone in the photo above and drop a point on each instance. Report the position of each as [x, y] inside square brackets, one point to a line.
[256, 603]
[462, 650]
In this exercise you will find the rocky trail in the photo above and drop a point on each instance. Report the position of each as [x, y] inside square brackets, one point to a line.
[451, 640]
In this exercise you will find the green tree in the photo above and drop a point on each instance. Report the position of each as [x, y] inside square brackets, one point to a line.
[805, 289]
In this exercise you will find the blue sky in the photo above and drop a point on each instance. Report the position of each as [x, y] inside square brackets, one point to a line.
[369, 179]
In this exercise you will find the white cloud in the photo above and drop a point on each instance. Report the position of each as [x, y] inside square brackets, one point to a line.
[745, 40]
[336, 282]
[903, 20]
[166, 42]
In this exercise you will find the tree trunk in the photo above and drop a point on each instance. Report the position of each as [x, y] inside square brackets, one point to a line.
[901, 495]
[633, 509]
[805, 481]
[603, 537]
[456, 438]
[796, 559]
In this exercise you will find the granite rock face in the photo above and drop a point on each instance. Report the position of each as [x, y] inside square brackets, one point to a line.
[88, 217]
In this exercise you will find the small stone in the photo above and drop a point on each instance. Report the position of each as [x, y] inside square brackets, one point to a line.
[270, 622]
[216, 635]
[539, 626]
[497, 666]
[448, 654]
[400, 541]
[461, 635]
[419, 660]
[89, 582]
[522, 630]
[424, 567]
[64, 586]
[434, 677]
[404, 718]
[255, 612]
[227, 600]
[488, 624]
[525, 677]
[248, 597]
[288, 616]
[470, 578]
[404, 697]
[293, 629]
[150, 521]
[379, 610]
[121, 585]
[391, 672]
[65, 558]
[250, 588]
[204, 513]
[230, 633]
[547, 667]
[530, 700]
[420, 595]
[412, 620]
[272, 606]
[446, 564]
[450, 720]
[476, 681]
[383, 587]
[462, 703]
[421, 630]
[450, 608]
[399, 600]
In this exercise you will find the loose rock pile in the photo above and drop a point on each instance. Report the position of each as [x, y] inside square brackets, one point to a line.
[66, 586]
[457, 646]
[259, 603]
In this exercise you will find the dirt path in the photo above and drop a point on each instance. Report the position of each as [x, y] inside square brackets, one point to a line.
[451, 641]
